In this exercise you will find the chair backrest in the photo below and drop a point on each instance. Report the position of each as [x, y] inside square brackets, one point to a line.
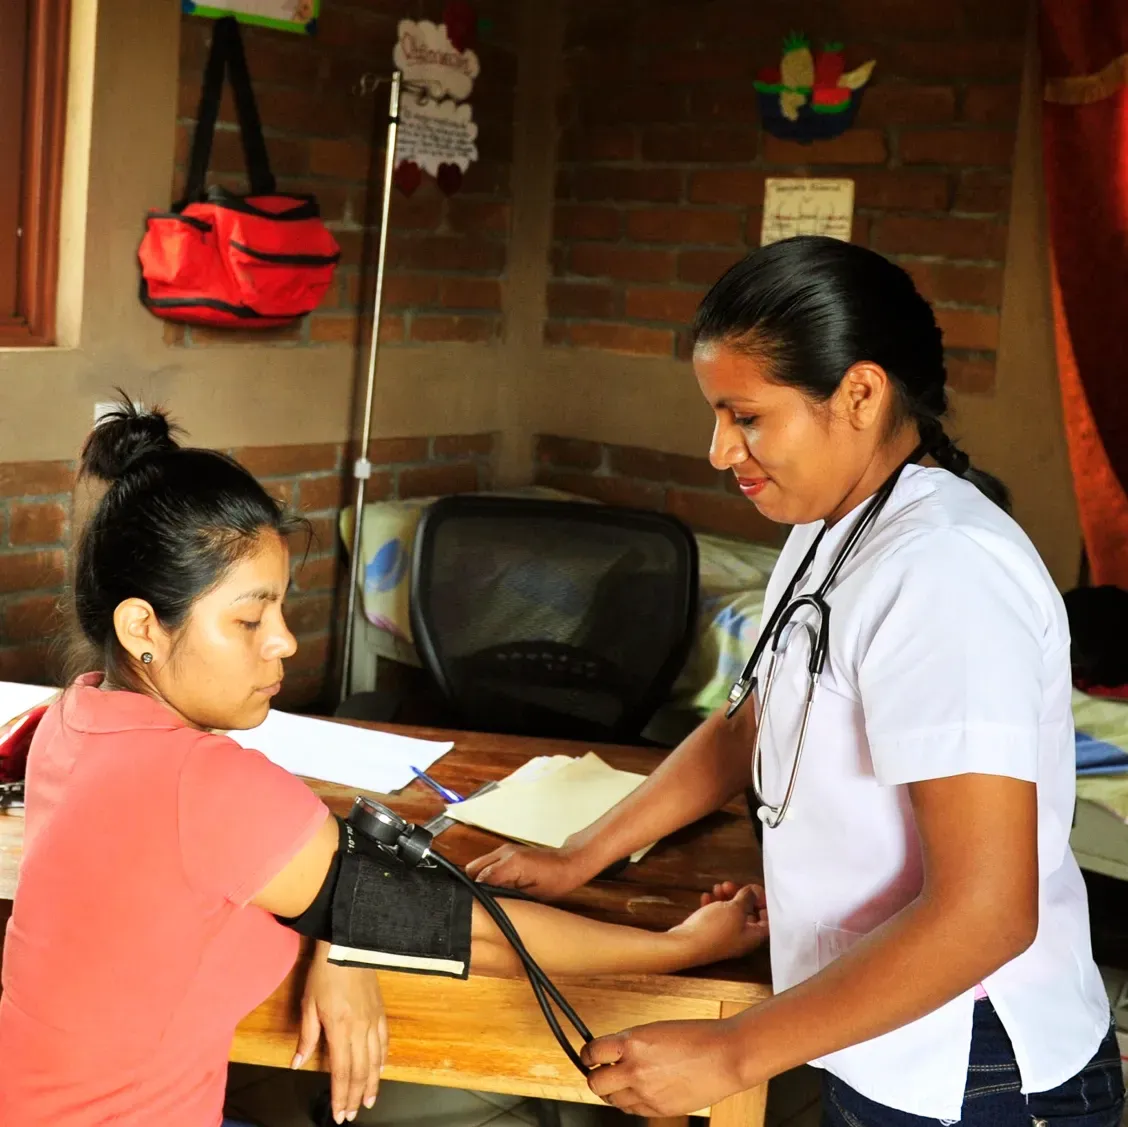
[553, 618]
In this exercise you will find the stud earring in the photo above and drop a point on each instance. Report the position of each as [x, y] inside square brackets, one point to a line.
[146, 659]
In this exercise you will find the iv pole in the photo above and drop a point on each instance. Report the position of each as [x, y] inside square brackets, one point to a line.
[362, 467]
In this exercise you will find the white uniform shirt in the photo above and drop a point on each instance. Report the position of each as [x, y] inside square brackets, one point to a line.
[949, 653]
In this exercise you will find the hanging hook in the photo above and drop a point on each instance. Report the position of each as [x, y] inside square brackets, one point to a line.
[367, 84]
[370, 82]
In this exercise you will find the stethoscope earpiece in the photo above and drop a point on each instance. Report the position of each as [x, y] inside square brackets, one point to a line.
[764, 813]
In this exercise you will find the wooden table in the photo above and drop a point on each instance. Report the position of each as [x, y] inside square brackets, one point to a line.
[488, 1033]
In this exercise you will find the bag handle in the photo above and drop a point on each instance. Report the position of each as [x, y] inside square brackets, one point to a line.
[227, 58]
[250, 125]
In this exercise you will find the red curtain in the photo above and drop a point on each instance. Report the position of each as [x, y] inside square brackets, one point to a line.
[1085, 133]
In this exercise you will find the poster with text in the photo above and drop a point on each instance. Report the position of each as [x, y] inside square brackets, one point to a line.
[427, 59]
[432, 134]
[807, 207]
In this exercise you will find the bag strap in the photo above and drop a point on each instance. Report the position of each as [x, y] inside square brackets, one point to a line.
[250, 125]
[227, 58]
[206, 114]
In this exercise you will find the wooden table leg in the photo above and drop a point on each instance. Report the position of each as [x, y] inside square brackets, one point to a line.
[745, 1109]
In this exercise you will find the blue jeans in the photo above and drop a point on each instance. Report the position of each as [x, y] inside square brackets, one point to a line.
[993, 1096]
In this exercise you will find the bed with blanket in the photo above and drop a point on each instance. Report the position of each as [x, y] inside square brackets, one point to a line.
[733, 577]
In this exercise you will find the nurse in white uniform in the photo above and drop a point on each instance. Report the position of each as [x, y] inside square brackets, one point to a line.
[913, 758]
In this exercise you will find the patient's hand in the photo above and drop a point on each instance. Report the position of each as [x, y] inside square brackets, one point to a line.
[726, 890]
[731, 922]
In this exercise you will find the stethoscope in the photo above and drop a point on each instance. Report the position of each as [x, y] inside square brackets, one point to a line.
[781, 628]
[414, 846]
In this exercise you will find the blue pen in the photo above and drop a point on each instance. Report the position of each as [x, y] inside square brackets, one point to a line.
[438, 788]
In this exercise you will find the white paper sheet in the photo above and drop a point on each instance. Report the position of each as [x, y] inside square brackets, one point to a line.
[16, 699]
[795, 206]
[341, 753]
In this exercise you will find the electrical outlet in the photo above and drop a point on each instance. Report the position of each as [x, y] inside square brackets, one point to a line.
[101, 410]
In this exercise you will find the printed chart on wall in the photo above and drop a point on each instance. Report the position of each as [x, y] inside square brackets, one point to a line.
[807, 207]
[285, 15]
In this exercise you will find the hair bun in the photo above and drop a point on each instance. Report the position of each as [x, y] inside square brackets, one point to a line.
[123, 438]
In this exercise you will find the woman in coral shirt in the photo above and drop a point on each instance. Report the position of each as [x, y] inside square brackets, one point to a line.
[159, 854]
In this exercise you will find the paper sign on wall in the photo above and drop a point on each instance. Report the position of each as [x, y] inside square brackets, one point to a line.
[425, 56]
[437, 130]
[807, 207]
[436, 133]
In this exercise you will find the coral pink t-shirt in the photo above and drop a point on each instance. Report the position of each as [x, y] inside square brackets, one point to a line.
[132, 951]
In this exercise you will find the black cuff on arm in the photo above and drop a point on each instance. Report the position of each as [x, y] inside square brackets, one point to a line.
[376, 912]
[317, 920]
[397, 918]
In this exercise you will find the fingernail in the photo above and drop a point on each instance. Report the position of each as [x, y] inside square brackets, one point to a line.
[370, 1102]
[298, 1061]
[338, 1117]
[351, 1116]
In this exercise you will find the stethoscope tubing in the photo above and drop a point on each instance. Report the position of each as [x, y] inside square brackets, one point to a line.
[781, 625]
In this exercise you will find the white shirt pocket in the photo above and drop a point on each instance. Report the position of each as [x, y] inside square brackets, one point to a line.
[834, 942]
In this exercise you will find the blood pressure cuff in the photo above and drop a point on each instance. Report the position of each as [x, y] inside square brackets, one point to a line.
[377, 912]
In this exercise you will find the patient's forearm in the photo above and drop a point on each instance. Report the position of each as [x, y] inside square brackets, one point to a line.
[564, 944]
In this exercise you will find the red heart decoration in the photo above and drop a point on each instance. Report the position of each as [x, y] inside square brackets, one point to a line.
[408, 176]
[461, 23]
[449, 178]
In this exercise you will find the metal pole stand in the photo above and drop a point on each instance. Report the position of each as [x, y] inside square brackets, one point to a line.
[362, 467]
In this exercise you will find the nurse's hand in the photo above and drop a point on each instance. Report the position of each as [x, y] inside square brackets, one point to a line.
[347, 1004]
[547, 874]
[666, 1069]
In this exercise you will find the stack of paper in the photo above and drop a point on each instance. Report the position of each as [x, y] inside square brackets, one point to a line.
[341, 753]
[318, 749]
[549, 799]
[16, 699]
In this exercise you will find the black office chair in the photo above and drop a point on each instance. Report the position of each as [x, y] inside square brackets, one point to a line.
[549, 618]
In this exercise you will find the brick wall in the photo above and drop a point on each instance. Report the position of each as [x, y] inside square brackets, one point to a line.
[36, 526]
[662, 161]
[629, 476]
[35, 531]
[446, 256]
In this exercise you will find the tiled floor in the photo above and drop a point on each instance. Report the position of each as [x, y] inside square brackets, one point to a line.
[276, 1098]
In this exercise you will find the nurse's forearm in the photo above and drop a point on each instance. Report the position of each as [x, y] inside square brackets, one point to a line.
[922, 958]
[706, 770]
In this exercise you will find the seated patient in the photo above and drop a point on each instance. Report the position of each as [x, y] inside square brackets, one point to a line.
[160, 857]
